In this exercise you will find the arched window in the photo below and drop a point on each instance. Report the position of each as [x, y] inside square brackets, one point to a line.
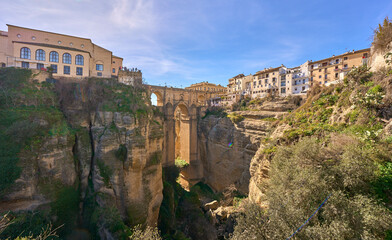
[40, 55]
[67, 58]
[25, 53]
[53, 57]
[79, 60]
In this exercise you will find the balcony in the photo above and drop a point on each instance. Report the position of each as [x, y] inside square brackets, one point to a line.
[299, 76]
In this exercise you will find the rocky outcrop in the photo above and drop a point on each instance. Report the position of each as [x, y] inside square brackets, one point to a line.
[104, 146]
[378, 58]
[132, 180]
[226, 150]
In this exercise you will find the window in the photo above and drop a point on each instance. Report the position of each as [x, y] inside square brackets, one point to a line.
[113, 70]
[336, 75]
[326, 76]
[345, 66]
[54, 67]
[319, 76]
[345, 58]
[283, 90]
[79, 60]
[319, 70]
[40, 55]
[99, 74]
[67, 58]
[25, 53]
[79, 71]
[67, 70]
[25, 65]
[40, 66]
[53, 57]
[325, 82]
[99, 67]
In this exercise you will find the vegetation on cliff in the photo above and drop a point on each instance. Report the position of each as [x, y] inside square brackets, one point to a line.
[47, 147]
[337, 143]
[180, 215]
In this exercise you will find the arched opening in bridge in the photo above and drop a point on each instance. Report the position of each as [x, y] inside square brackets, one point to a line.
[182, 130]
[156, 99]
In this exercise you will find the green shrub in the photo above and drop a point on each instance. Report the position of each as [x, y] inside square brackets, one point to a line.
[203, 190]
[66, 208]
[105, 171]
[303, 175]
[235, 117]
[251, 224]
[110, 218]
[383, 35]
[180, 163]
[148, 233]
[26, 224]
[383, 182]
[215, 111]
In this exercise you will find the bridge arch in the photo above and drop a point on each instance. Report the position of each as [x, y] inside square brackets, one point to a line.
[159, 98]
[182, 132]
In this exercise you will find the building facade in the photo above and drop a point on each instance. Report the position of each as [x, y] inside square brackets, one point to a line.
[334, 69]
[295, 80]
[67, 56]
[266, 82]
[207, 87]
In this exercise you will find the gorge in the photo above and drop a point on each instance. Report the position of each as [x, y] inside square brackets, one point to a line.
[94, 159]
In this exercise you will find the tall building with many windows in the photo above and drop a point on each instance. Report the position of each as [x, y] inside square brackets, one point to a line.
[294, 80]
[334, 69]
[266, 82]
[67, 56]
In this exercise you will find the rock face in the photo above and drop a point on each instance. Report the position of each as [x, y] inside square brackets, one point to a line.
[226, 150]
[135, 185]
[49, 161]
[377, 58]
[111, 159]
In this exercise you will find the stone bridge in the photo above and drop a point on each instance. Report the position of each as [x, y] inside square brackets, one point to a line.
[181, 108]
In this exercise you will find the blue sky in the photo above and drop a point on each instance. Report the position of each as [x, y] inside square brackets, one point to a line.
[180, 42]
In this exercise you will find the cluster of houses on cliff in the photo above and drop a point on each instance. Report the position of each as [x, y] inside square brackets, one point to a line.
[283, 81]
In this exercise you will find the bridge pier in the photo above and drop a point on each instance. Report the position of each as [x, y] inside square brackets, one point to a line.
[185, 106]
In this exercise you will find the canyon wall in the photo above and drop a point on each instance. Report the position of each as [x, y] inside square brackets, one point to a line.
[96, 158]
[226, 148]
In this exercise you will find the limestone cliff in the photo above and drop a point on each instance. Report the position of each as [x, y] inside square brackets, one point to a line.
[95, 160]
[226, 148]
